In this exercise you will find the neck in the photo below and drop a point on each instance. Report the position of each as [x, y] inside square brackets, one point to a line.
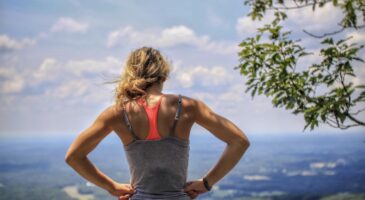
[155, 89]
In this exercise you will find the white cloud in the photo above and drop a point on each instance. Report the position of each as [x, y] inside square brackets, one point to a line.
[53, 70]
[46, 71]
[246, 26]
[266, 194]
[320, 20]
[169, 37]
[325, 168]
[301, 173]
[63, 24]
[327, 165]
[7, 43]
[79, 67]
[74, 80]
[360, 76]
[357, 36]
[323, 19]
[256, 178]
[67, 24]
[308, 173]
[12, 81]
[320, 165]
[6, 72]
[204, 76]
[73, 88]
[180, 35]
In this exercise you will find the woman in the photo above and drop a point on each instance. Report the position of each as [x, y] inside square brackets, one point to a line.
[154, 128]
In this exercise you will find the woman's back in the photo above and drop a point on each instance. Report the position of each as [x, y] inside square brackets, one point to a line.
[165, 118]
[158, 152]
[155, 135]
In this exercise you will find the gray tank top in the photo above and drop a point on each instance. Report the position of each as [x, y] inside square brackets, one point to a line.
[158, 168]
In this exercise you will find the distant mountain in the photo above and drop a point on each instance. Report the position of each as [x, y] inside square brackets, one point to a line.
[295, 166]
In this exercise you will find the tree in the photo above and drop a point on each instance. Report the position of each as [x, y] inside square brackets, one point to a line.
[270, 67]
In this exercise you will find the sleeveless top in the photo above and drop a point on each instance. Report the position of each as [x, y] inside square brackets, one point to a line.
[157, 165]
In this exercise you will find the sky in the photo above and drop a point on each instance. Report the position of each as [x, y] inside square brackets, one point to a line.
[55, 57]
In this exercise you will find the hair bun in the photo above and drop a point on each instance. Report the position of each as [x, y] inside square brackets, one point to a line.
[144, 67]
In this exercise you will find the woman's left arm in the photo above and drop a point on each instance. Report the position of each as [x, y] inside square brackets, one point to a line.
[85, 142]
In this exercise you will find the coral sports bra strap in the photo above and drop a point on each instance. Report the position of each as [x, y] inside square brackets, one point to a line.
[177, 115]
[153, 128]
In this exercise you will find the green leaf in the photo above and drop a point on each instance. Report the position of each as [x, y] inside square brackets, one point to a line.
[342, 117]
[327, 41]
[253, 92]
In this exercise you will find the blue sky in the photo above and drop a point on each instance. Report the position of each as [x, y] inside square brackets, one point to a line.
[56, 55]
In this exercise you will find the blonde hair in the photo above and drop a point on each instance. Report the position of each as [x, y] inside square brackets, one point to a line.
[144, 67]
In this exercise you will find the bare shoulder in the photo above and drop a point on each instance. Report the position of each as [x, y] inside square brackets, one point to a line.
[109, 114]
[201, 109]
[187, 103]
[185, 100]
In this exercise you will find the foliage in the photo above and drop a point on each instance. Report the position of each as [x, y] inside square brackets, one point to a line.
[270, 67]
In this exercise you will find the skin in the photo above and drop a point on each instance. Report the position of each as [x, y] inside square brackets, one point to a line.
[194, 111]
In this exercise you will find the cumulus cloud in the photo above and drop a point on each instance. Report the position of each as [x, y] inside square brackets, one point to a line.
[322, 19]
[47, 70]
[110, 64]
[70, 89]
[53, 70]
[231, 95]
[204, 76]
[12, 82]
[246, 26]
[8, 44]
[169, 37]
[63, 24]
[76, 80]
[67, 24]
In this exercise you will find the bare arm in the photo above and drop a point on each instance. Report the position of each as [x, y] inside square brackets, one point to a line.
[86, 141]
[225, 130]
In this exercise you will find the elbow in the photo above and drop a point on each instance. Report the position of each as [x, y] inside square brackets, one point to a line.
[244, 143]
[73, 159]
[69, 159]
[240, 143]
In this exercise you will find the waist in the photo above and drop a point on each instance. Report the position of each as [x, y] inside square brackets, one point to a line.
[145, 195]
[159, 168]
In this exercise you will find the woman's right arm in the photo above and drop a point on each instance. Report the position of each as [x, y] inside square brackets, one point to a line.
[225, 130]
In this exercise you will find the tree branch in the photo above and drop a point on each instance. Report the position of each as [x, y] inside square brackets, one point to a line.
[354, 119]
[297, 6]
[342, 127]
[330, 33]
[357, 112]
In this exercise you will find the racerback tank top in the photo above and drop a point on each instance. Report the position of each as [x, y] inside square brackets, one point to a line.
[157, 165]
